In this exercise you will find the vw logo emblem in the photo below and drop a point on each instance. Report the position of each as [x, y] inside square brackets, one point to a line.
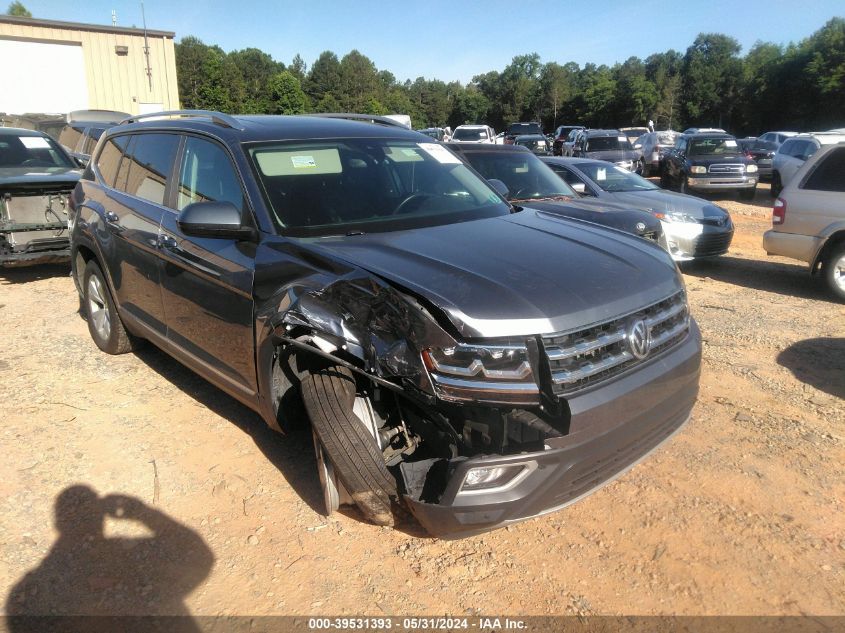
[639, 339]
[640, 226]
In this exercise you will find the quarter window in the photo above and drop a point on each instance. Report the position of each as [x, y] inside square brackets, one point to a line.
[150, 162]
[829, 174]
[109, 159]
[206, 174]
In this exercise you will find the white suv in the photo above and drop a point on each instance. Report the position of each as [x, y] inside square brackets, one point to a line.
[794, 152]
[474, 134]
[808, 219]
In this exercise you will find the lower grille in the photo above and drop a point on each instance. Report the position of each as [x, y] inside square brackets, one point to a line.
[583, 358]
[707, 244]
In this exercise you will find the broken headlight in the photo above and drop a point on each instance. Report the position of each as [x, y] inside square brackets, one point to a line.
[483, 373]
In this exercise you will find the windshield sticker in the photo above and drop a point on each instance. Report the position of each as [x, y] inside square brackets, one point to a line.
[621, 138]
[34, 142]
[404, 154]
[303, 162]
[601, 173]
[730, 143]
[439, 153]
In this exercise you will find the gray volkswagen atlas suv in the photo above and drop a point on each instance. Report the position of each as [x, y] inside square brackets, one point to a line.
[474, 363]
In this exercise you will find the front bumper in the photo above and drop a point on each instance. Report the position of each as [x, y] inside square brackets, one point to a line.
[612, 427]
[688, 240]
[710, 183]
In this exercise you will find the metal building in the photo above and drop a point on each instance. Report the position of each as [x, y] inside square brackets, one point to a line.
[51, 66]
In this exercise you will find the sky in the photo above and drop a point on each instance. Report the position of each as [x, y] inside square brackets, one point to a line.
[456, 40]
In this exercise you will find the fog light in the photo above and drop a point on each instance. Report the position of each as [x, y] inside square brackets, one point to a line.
[496, 477]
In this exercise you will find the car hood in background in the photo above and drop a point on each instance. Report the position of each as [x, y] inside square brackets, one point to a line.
[27, 178]
[662, 201]
[523, 274]
[612, 155]
[624, 217]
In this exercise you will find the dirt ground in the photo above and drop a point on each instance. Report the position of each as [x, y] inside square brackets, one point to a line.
[741, 513]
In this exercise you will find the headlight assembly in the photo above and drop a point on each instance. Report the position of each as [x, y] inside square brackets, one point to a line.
[698, 169]
[751, 169]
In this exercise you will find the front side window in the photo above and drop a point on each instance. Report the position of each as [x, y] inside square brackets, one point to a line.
[829, 174]
[150, 160]
[526, 176]
[614, 179]
[334, 186]
[91, 137]
[206, 174]
[109, 159]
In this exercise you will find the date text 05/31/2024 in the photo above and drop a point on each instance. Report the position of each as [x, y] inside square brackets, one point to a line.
[415, 624]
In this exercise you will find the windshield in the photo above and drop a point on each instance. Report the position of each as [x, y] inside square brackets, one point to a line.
[607, 143]
[31, 151]
[614, 179]
[334, 187]
[464, 134]
[704, 146]
[524, 128]
[666, 138]
[434, 133]
[526, 176]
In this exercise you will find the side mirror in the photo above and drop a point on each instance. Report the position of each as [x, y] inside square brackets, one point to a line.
[500, 187]
[579, 187]
[214, 219]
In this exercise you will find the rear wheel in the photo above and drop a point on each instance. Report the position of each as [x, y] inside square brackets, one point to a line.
[834, 271]
[104, 323]
[348, 453]
[777, 186]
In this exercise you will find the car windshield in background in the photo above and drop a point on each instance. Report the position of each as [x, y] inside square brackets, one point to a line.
[607, 143]
[666, 138]
[31, 151]
[435, 134]
[524, 128]
[526, 176]
[369, 185]
[614, 179]
[469, 135]
[704, 146]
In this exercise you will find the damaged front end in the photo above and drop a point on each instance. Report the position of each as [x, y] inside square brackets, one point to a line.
[34, 225]
[478, 433]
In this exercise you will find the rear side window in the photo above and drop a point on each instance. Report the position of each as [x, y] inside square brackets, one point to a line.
[70, 136]
[150, 162]
[91, 137]
[829, 174]
[206, 174]
[109, 159]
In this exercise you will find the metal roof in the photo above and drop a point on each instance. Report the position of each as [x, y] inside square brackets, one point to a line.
[80, 26]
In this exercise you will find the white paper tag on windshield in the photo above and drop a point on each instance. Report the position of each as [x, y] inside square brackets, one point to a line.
[303, 162]
[440, 153]
[730, 143]
[601, 173]
[34, 142]
[621, 138]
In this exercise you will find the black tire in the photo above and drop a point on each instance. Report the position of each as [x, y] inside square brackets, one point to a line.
[834, 271]
[747, 194]
[683, 185]
[114, 339]
[664, 180]
[777, 185]
[329, 395]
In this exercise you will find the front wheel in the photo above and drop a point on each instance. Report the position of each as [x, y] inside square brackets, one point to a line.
[104, 322]
[834, 271]
[349, 445]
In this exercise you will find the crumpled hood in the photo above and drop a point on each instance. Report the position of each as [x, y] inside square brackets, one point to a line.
[522, 274]
[662, 201]
[25, 178]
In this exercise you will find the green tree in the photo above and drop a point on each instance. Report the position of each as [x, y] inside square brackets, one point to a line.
[286, 94]
[358, 82]
[18, 10]
[298, 68]
[257, 69]
[664, 71]
[470, 107]
[520, 89]
[324, 79]
[712, 71]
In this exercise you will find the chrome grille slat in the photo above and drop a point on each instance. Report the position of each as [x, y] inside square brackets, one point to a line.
[723, 168]
[580, 359]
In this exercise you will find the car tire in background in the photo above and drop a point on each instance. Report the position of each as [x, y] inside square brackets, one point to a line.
[104, 323]
[777, 186]
[683, 185]
[355, 458]
[834, 271]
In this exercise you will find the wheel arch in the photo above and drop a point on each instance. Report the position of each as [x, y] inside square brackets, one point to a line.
[833, 236]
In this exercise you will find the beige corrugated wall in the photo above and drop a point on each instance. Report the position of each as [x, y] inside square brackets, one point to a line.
[115, 82]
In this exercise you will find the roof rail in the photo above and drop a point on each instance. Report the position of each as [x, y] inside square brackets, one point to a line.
[368, 118]
[216, 117]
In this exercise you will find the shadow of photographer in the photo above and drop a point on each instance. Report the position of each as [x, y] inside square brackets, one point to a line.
[87, 573]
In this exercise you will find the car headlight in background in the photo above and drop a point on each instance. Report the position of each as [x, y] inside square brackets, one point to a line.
[698, 169]
[673, 216]
[491, 373]
[751, 169]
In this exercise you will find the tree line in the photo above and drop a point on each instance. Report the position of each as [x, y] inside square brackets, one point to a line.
[798, 86]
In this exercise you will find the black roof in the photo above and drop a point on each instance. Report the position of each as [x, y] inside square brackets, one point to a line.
[252, 128]
[19, 131]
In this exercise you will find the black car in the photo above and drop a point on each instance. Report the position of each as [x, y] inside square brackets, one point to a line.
[526, 181]
[36, 177]
[536, 143]
[518, 129]
[84, 127]
[610, 145]
[475, 363]
[709, 161]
